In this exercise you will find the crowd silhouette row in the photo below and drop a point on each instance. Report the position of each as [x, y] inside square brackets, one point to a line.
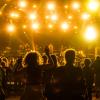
[48, 80]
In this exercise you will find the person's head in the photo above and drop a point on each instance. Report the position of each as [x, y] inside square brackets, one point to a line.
[31, 58]
[87, 62]
[70, 56]
[98, 58]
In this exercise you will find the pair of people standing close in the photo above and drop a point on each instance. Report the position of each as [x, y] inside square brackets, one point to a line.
[65, 83]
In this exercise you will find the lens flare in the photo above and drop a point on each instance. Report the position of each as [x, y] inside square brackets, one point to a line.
[22, 4]
[64, 26]
[51, 6]
[10, 28]
[93, 5]
[90, 33]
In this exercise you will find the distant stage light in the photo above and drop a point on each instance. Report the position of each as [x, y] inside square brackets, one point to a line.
[85, 16]
[90, 33]
[93, 5]
[75, 27]
[35, 26]
[10, 28]
[22, 4]
[66, 6]
[50, 26]
[0, 12]
[24, 26]
[75, 5]
[54, 17]
[51, 6]
[70, 17]
[34, 6]
[47, 17]
[64, 26]
[32, 16]
[14, 15]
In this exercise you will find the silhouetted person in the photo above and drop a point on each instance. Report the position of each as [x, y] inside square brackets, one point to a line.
[96, 66]
[34, 76]
[66, 82]
[89, 78]
[2, 82]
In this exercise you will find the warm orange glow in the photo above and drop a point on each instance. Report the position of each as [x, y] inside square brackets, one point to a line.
[90, 33]
[35, 26]
[64, 26]
[22, 4]
[85, 16]
[10, 28]
[32, 16]
[54, 17]
[14, 15]
[51, 6]
[75, 5]
[93, 5]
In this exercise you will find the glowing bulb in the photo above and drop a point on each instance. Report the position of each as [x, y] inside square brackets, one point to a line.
[85, 16]
[34, 6]
[75, 5]
[54, 17]
[11, 28]
[66, 6]
[51, 6]
[35, 26]
[50, 26]
[47, 17]
[64, 26]
[14, 15]
[24, 26]
[32, 16]
[0, 13]
[93, 5]
[70, 17]
[22, 4]
[75, 27]
[90, 33]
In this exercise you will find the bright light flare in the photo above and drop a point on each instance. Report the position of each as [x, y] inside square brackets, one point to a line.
[10, 28]
[14, 15]
[50, 26]
[22, 4]
[70, 17]
[32, 16]
[75, 5]
[24, 26]
[34, 6]
[35, 26]
[51, 6]
[0, 12]
[93, 5]
[64, 26]
[66, 6]
[85, 16]
[54, 17]
[90, 33]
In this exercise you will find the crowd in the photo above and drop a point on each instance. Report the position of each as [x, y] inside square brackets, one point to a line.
[49, 77]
